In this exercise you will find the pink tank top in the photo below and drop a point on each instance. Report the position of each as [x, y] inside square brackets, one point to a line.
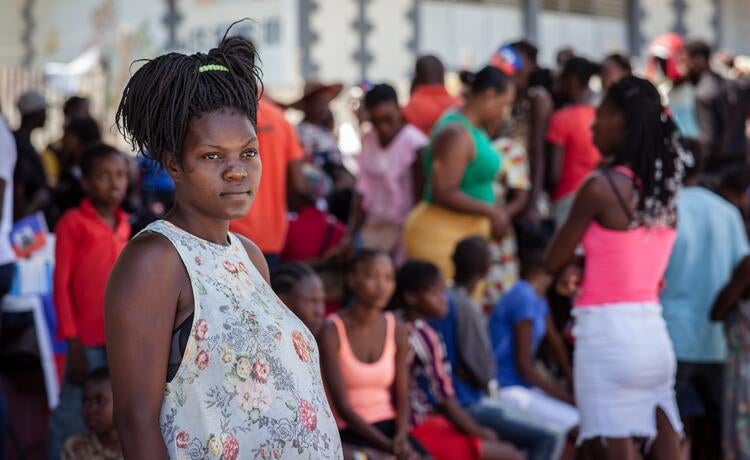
[368, 385]
[624, 265]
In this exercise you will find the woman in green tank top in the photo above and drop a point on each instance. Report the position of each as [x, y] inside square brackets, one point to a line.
[460, 167]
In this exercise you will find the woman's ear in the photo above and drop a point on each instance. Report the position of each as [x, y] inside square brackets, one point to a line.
[410, 298]
[173, 168]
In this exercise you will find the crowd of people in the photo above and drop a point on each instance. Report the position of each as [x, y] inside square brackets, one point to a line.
[548, 264]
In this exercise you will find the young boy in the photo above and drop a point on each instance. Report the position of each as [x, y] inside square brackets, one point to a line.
[100, 442]
[89, 240]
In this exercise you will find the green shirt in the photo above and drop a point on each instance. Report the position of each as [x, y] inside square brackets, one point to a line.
[480, 173]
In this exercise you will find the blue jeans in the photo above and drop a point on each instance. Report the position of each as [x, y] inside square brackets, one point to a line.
[67, 420]
[538, 443]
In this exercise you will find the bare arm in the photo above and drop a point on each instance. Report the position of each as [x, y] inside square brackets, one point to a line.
[518, 202]
[585, 207]
[401, 384]
[463, 421]
[541, 112]
[296, 177]
[522, 333]
[140, 308]
[329, 350]
[418, 179]
[554, 154]
[452, 151]
[732, 292]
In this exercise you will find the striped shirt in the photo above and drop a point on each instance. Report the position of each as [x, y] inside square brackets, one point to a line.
[431, 382]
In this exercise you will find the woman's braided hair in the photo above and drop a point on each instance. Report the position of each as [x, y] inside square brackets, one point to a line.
[652, 148]
[168, 92]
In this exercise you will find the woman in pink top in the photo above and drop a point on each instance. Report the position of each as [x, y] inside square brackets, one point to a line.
[624, 216]
[388, 181]
[364, 358]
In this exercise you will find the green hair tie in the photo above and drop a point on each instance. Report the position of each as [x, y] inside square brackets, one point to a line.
[212, 67]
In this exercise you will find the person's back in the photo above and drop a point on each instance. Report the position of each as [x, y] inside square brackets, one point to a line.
[710, 241]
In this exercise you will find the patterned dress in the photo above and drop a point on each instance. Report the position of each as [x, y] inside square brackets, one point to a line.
[249, 385]
[737, 385]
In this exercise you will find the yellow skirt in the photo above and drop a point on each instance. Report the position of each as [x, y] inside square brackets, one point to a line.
[432, 233]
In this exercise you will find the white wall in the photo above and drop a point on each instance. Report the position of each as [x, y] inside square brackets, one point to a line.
[735, 20]
[593, 37]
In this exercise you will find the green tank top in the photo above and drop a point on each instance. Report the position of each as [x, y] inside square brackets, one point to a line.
[480, 173]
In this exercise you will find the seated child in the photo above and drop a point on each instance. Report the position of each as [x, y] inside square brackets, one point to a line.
[100, 442]
[364, 361]
[439, 423]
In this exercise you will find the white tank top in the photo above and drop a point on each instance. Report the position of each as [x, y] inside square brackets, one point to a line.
[249, 384]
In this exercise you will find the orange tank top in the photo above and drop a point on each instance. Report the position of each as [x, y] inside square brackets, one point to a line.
[368, 385]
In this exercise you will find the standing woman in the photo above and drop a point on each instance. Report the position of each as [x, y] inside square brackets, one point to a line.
[206, 361]
[460, 166]
[624, 216]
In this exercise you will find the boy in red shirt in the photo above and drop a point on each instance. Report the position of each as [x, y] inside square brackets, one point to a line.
[89, 240]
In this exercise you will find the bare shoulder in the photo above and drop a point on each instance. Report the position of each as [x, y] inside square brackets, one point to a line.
[148, 251]
[256, 256]
[329, 336]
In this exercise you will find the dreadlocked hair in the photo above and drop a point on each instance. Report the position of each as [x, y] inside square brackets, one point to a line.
[168, 92]
[285, 278]
[652, 148]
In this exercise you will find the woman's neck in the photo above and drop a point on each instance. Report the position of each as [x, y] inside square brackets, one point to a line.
[206, 228]
[470, 112]
[364, 315]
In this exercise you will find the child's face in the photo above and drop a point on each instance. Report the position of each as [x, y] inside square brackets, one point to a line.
[387, 120]
[220, 168]
[432, 302]
[307, 301]
[107, 182]
[373, 282]
[97, 406]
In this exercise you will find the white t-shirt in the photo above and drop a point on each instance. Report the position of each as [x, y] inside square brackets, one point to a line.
[8, 155]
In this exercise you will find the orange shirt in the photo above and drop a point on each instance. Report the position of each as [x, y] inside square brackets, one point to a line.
[266, 224]
[427, 104]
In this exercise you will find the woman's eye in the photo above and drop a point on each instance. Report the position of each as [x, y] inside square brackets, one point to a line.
[250, 154]
[211, 156]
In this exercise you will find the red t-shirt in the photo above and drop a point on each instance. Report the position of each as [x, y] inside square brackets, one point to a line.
[85, 253]
[311, 233]
[570, 128]
[266, 223]
[427, 104]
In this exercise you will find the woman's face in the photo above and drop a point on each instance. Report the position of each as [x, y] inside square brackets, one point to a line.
[608, 128]
[373, 282]
[496, 106]
[220, 168]
[432, 302]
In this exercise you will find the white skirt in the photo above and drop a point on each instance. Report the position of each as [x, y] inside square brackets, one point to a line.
[624, 369]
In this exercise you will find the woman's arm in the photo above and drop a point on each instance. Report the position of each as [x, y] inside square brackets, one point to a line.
[522, 341]
[463, 421]
[517, 203]
[585, 207]
[555, 156]
[140, 307]
[329, 350]
[417, 173]
[732, 292]
[401, 383]
[541, 112]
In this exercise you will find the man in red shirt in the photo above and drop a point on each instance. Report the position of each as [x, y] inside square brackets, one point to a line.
[429, 98]
[89, 240]
[266, 224]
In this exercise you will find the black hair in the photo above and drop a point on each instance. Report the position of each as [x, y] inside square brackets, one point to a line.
[698, 48]
[581, 69]
[285, 278]
[651, 147]
[94, 152]
[168, 92]
[736, 181]
[471, 258]
[100, 374]
[86, 129]
[363, 256]
[621, 61]
[490, 77]
[531, 260]
[428, 69]
[74, 103]
[380, 94]
[414, 276]
[527, 48]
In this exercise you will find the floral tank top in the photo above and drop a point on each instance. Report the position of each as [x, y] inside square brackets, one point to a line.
[249, 385]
